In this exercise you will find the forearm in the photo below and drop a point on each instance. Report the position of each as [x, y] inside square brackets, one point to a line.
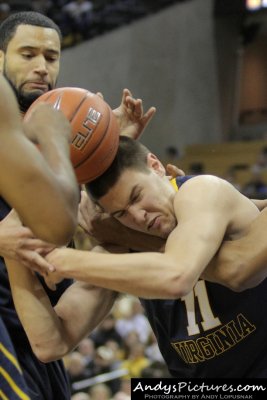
[50, 129]
[85, 304]
[108, 230]
[148, 275]
[52, 332]
[56, 152]
[40, 322]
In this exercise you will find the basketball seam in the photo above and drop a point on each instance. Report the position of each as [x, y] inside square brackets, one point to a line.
[89, 177]
[78, 106]
[98, 144]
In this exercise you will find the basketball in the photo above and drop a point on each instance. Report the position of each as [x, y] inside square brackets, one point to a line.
[95, 133]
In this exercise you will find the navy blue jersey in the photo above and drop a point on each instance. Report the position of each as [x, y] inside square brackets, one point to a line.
[12, 383]
[212, 331]
[44, 381]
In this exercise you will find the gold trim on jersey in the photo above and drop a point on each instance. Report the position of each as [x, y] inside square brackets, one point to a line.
[10, 357]
[174, 184]
[3, 396]
[22, 395]
[6, 376]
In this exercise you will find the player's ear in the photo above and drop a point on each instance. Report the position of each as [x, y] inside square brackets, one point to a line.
[154, 163]
[2, 58]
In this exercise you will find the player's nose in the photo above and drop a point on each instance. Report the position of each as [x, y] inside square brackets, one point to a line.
[137, 214]
[40, 65]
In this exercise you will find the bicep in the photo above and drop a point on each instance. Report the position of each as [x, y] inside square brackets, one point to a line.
[195, 241]
[203, 218]
[241, 264]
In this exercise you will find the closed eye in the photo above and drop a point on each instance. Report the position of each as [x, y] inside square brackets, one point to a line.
[137, 196]
[119, 214]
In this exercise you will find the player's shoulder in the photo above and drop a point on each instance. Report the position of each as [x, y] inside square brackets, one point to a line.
[206, 189]
[202, 181]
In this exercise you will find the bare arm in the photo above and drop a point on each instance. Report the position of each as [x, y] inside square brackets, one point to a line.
[261, 204]
[53, 332]
[107, 230]
[238, 264]
[45, 184]
[202, 225]
[19, 243]
[242, 263]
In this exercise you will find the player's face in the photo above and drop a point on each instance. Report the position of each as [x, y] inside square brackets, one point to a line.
[143, 202]
[31, 62]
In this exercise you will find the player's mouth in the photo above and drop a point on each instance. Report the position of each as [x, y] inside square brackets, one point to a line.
[154, 224]
[38, 85]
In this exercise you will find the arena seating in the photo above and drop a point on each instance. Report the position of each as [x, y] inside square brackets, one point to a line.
[219, 158]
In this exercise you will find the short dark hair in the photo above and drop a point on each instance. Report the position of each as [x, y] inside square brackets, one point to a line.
[131, 154]
[9, 26]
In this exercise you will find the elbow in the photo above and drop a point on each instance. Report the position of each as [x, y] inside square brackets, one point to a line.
[50, 353]
[60, 232]
[236, 279]
[64, 234]
[178, 285]
[179, 289]
[61, 228]
[66, 226]
[237, 285]
[243, 283]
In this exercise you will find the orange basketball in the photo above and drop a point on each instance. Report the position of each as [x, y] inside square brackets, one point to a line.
[95, 133]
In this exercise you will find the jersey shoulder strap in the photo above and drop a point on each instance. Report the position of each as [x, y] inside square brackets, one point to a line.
[177, 182]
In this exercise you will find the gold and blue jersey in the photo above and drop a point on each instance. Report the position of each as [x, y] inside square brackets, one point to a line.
[44, 381]
[212, 332]
[12, 384]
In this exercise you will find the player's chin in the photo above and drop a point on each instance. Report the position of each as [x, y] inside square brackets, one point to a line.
[36, 92]
[164, 234]
[29, 97]
[166, 230]
[158, 233]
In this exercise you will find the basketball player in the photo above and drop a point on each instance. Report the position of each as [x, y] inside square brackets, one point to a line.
[56, 181]
[203, 329]
[29, 59]
[43, 191]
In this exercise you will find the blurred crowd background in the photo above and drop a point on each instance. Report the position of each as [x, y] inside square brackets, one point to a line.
[121, 348]
[83, 19]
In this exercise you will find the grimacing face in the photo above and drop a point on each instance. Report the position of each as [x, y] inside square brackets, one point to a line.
[143, 202]
[31, 62]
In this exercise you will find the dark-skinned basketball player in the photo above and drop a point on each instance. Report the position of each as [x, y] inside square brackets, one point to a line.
[29, 59]
[45, 189]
